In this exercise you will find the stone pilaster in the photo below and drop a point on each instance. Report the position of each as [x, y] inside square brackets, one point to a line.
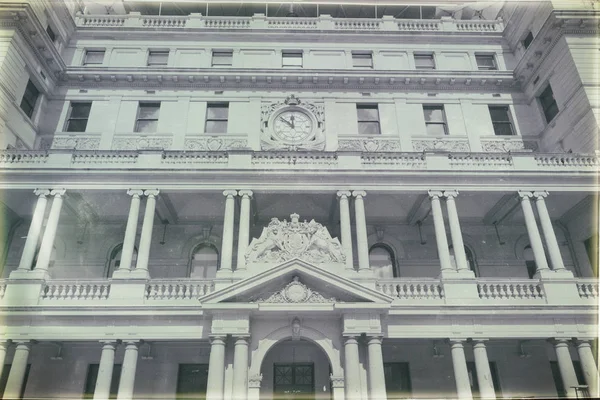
[228, 220]
[35, 229]
[362, 241]
[345, 227]
[244, 228]
[43, 260]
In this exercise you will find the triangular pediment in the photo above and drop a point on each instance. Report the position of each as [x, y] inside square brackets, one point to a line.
[296, 281]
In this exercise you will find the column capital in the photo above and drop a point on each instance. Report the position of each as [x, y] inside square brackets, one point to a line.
[245, 339]
[540, 194]
[5, 343]
[375, 339]
[23, 343]
[457, 342]
[450, 194]
[584, 342]
[560, 342]
[109, 344]
[254, 381]
[435, 194]
[344, 194]
[151, 192]
[350, 339]
[359, 193]
[129, 343]
[479, 343]
[230, 193]
[135, 192]
[336, 381]
[58, 192]
[525, 195]
[41, 192]
[217, 339]
[245, 193]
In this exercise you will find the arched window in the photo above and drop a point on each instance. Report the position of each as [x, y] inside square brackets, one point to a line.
[529, 261]
[381, 259]
[114, 260]
[470, 259]
[204, 262]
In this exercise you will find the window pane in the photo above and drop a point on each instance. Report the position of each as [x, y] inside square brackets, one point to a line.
[27, 108]
[424, 61]
[362, 60]
[222, 58]
[486, 62]
[434, 114]
[528, 39]
[31, 93]
[76, 125]
[148, 111]
[80, 110]
[94, 57]
[51, 33]
[503, 128]
[367, 113]
[216, 127]
[436, 129]
[148, 126]
[369, 128]
[217, 112]
[499, 114]
[158, 58]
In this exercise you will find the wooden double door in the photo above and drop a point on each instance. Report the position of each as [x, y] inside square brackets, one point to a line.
[294, 381]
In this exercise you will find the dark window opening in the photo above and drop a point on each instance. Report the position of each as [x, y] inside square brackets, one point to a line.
[527, 40]
[548, 103]
[92, 377]
[30, 98]
[501, 121]
[368, 119]
[78, 117]
[397, 380]
[217, 115]
[192, 381]
[591, 247]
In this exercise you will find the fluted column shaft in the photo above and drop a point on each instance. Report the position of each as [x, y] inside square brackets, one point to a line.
[440, 231]
[377, 389]
[105, 371]
[535, 239]
[362, 241]
[565, 366]
[484, 374]
[128, 369]
[35, 229]
[216, 369]
[47, 245]
[548, 231]
[244, 227]
[228, 220]
[345, 227]
[147, 227]
[131, 229]
[461, 373]
[16, 376]
[240, 368]
[588, 365]
[351, 369]
[3, 349]
[455, 231]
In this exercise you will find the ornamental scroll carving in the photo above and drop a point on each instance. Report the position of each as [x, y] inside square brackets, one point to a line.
[441, 144]
[214, 144]
[497, 146]
[368, 145]
[296, 292]
[282, 241]
[141, 143]
[76, 143]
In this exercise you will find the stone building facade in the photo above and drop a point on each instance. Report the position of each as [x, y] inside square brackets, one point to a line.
[292, 200]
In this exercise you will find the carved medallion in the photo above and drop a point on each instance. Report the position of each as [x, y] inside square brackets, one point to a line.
[296, 292]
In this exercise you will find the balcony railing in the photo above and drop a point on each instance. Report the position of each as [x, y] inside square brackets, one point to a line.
[411, 289]
[75, 290]
[526, 289]
[179, 289]
[587, 288]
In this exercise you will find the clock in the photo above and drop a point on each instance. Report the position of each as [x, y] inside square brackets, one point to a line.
[293, 125]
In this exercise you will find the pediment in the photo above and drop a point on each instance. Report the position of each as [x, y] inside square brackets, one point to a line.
[296, 282]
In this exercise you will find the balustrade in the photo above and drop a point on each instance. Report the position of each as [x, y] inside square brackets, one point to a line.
[75, 290]
[178, 289]
[510, 289]
[8, 157]
[394, 160]
[411, 289]
[276, 159]
[564, 161]
[164, 22]
[227, 22]
[292, 23]
[587, 288]
[419, 25]
[361, 24]
[480, 160]
[105, 157]
[194, 157]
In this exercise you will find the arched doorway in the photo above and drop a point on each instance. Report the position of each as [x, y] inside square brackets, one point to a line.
[296, 369]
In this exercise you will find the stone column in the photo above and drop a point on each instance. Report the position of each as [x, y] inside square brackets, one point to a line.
[131, 229]
[337, 387]
[362, 241]
[146, 235]
[565, 366]
[484, 374]
[440, 231]
[533, 232]
[345, 227]
[461, 373]
[455, 231]
[15, 382]
[47, 245]
[377, 390]
[216, 368]
[35, 228]
[128, 370]
[548, 231]
[105, 371]
[351, 368]
[588, 365]
[240, 368]
[3, 349]
[228, 220]
[244, 228]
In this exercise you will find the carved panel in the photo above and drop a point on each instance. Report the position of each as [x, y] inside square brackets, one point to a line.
[502, 146]
[296, 292]
[70, 142]
[129, 143]
[214, 144]
[441, 144]
[369, 145]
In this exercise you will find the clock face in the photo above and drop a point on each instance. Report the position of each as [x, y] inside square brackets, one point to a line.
[293, 126]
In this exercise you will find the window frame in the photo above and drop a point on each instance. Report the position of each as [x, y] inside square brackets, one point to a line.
[152, 52]
[217, 52]
[71, 118]
[444, 121]
[30, 100]
[430, 55]
[486, 68]
[51, 33]
[509, 120]
[527, 40]
[292, 54]
[547, 107]
[207, 119]
[362, 55]
[138, 119]
[88, 52]
[368, 106]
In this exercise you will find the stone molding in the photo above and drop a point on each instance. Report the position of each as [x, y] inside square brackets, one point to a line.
[254, 381]
[443, 144]
[214, 143]
[369, 145]
[75, 143]
[141, 143]
[296, 292]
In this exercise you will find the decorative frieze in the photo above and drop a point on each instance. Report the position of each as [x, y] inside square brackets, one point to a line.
[141, 143]
[503, 144]
[214, 143]
[444, 144]
[369, 145]
[78, 143]
[296, 292]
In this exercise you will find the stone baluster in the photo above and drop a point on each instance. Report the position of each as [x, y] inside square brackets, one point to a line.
[131, 229]
[16, 376]
[533, 232]
[548, 231]
[228, 221]
[345, 227]
[128, 370]
[362, 241]
[484, 374]
[216, 368]
[244, 227]
[105, 370]
[455, 231]
[440, 231]
[461, 373]
[47, 245]
[35, 229]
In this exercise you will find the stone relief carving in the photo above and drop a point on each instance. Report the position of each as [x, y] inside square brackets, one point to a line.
[254, 381]
[296, 292]
[336, 381]
[75, 143]
[441, 144]
[141, 143]
[214, 144]
[502, 146]
[369, 145]
[281, 241]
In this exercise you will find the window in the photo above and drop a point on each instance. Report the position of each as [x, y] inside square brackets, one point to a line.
[30, 98]
[205, 259]
[291, 59]
[475, 383]
[147, 118]
[435, 120]
[78, 117]
[114, 261]
[486, 62]
[4, 379]
[216, 117]
[192, 381]
[51, 33]
[527, 40]
[362, 59]
[92, 377]
[548, 103]
[397, 380]
[558, 383]
[222, 58]
[368, 119]
[158, 58]
[93, 57]
[424, 61]
[381, 260]
[591, 247]
[501, 120]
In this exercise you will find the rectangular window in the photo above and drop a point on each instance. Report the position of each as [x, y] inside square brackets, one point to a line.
[93, 57]
[147, 118]
[527, 40]
[362, 59]
[368, 119]
[424, 61]
[92, 377]
[157, 58]
[192, 381]
[475, 383]
[435, 120]
[222, 58]
[216, 117]
[78, 117]
[501, 120]
[548, 103]
[30, 98]
[4, 379]
[291, 59]
[51, 33]
[486, 62]
[397, 380]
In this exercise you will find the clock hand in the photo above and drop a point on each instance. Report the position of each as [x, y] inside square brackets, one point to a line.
[292, 119]
[291, 125]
